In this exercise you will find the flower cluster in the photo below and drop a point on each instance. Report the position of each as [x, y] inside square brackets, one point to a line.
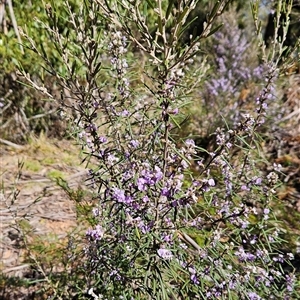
[118, 48]
[232, 84]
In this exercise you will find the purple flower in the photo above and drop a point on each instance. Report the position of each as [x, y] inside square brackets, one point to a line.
[152, 177]
[134, 143]
[290, 281]
[258, 181]
[145, 199]
[96, 234]
[232, 284]
[193, 275]
[165, 191]
[115, 274]
[125, 113]
[244, 188]
[184, 164]
[194, 279]
[111, 158]
[146, 228]
[211, 182]
[165, 253]
[141, 184]
[253, 296]
[190, 143]
[244, 256]
[175, 111]
[96, 212]
[167, 238]
[102, 139]
[158, 175]
[119, 195]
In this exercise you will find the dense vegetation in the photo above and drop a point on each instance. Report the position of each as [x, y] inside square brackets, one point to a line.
[187, 118]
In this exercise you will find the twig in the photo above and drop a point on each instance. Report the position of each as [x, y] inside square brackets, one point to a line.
[11, 144]
[290, 115]
[2, 12]
[14, 22]
[16, 268]
[42, 115]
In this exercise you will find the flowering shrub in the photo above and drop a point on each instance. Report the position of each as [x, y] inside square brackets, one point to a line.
[173, 220]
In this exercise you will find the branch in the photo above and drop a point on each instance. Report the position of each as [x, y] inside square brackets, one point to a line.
[14, 22]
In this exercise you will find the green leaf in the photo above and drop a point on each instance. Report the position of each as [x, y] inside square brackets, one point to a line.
[149, 2]
[175, 122]
[185, 11]
[214, 30]
[169, 9]
[187, 26]
[215, 10]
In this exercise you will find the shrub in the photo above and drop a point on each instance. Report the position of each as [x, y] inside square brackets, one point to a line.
[173, 220]
[25, 110]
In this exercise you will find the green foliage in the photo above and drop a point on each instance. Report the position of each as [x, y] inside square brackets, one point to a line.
[26, 110]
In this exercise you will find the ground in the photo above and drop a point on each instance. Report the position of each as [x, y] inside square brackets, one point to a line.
[34, 210]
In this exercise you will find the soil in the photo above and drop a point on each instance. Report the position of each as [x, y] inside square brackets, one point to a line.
[33, 207]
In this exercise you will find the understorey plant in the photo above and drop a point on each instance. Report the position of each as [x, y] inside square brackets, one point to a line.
[172, 220]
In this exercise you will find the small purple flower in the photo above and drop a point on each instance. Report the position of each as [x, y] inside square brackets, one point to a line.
[115, 274]
[125, 113]
[194, 279]
[167, 238]
[193, 275]
[175, 111]
[184, 164]
[190, 143]
[96, 104]
[134, 143]
[244, 224]
[165, 253]
[146, 227]
[91, 128]
[111, 158]
[174, 203]
[158, 175]
[253, 296]
[290, 281]
[96, 212]
[258, 181]
[145, 199]
[119, 195]
[211, 182]
[279, 258]
[141, 184]
[244, 256]
[165, 191]
[232, 284]
[244, 188]
[102, 139]
[96, 234]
